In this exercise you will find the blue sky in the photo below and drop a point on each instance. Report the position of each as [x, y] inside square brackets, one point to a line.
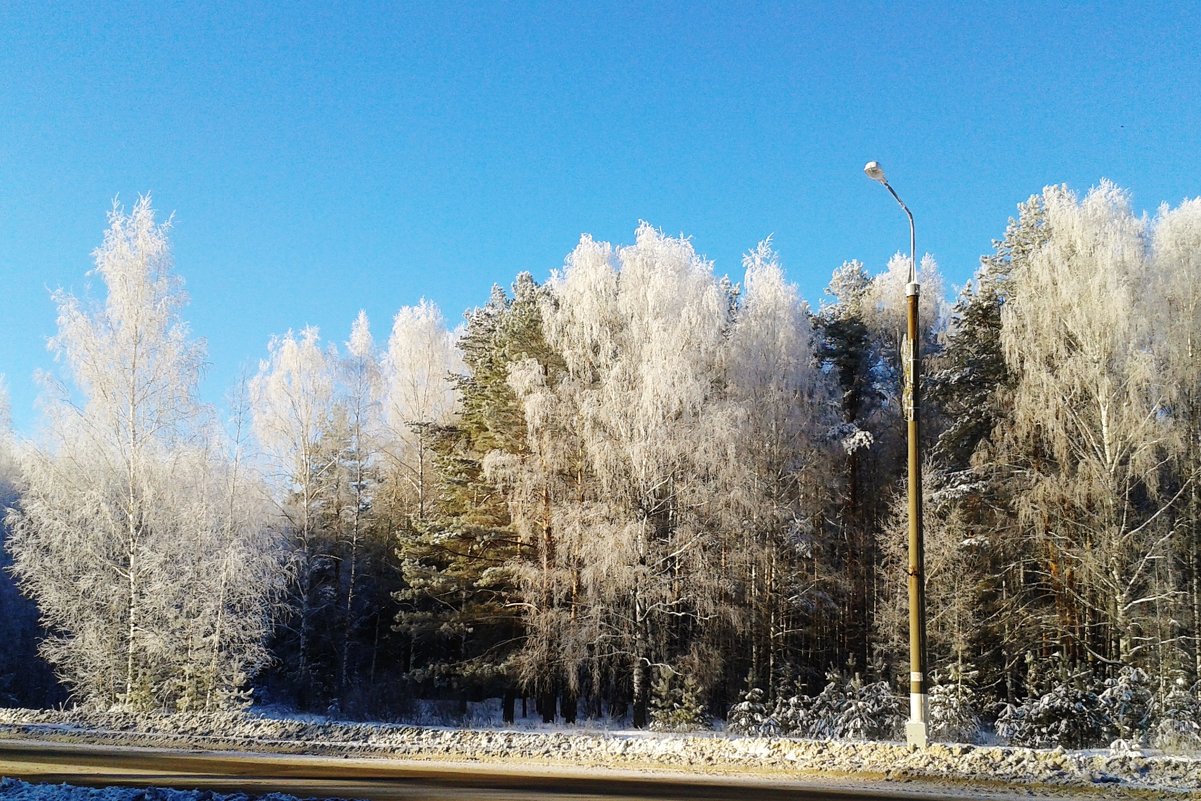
[321, 159]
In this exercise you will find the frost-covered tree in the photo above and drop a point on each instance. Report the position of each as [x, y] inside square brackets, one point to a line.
[1127, 701]
[972, 388]
[1068, 715]
[849, 353]
[292, 403]
[640, 330]
[750, 716]
[886, 305]
[1175, 286]
[972, 383]
[775, 416]
[25, 678]
[358, 472]
[861, 340]
[955, 706]
[113, 529]
[419, 401]
[228, 574]
[957, 564]
[851, 708]
[676, 704]
[1089, 431]
[511, 363]
[1177, 718]
[419, 395]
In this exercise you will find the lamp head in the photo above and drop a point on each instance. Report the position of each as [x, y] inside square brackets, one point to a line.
[874, 171]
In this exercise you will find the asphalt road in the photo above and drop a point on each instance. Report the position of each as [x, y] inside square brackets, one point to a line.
[388, 780]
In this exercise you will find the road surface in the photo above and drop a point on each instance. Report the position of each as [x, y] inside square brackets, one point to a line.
[391, 780]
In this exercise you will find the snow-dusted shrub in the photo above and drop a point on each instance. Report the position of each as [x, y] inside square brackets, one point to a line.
[826, 707]
[1067, 715]
[1177, 718]
[1127, 702]
[750, 716]
[872, 712]
[792, 714]
[676, 704]
[953, 714]
[847, 708]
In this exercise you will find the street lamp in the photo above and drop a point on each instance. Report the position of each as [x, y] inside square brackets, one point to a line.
[916, 730]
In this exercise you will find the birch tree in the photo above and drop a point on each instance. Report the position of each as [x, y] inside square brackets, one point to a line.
[1089, 432]
[640, 330]
[292, 402]
[779, 408]
[419, 395]
[363, 389]
[230, 596]
[109, 527]
[1175, 285]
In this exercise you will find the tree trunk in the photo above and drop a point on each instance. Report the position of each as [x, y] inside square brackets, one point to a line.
[131, 634]
[348, 609]
[508, 705]
[567, 705]
[547, 702]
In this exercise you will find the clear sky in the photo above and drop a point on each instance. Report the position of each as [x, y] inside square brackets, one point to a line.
[322, 158]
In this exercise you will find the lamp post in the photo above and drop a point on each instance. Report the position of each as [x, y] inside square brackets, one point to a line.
[916, 730]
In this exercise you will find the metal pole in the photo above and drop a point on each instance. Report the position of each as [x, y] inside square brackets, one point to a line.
[916, 730]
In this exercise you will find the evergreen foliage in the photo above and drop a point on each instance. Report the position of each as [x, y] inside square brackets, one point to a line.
[751, 717]
[1069, 714]
[1127, 701]
[461, 566]
[676, 703]
[954, 714]
[1177, 715]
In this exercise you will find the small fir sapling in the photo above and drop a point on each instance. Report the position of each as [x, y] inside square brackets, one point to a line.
[1127, 701]
[750, 716]
[953, 714]
[1069, 714]
[676, 703]
[1177, 716]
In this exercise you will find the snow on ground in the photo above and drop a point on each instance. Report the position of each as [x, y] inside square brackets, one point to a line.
[593, 747]
[14, 790]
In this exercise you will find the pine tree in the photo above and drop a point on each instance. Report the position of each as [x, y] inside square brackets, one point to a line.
[847, 348]
[1127, 701]
[750, 716]
[973, 384]
[460, 565]
[676, 704]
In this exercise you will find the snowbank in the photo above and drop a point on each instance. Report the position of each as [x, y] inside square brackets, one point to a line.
[712, 753]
